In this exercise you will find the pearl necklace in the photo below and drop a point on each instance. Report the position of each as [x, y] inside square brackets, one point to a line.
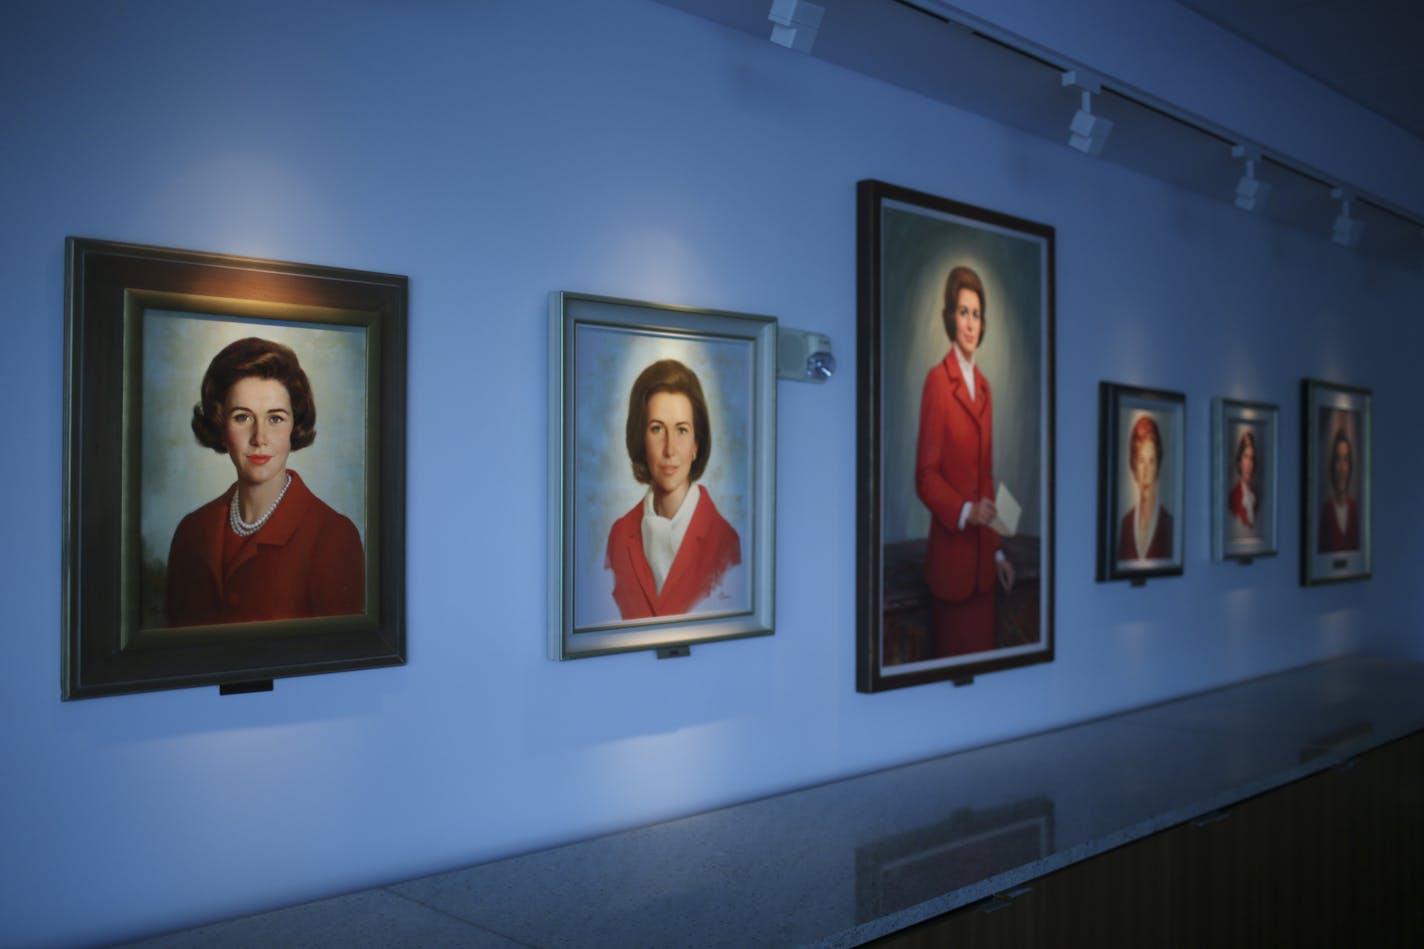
[234, 514]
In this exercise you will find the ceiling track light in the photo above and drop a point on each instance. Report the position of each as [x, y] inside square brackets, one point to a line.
[1347, 231]
[1087, 132]
[1251, 192]
[795, 23]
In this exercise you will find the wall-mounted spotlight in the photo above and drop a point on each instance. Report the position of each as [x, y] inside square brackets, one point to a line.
[803, 356]
[795, 23]
[1251, 192]
[1348, 230]
[1088, 132]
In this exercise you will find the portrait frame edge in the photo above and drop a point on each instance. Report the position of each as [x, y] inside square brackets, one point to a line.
[1110, 396]
[1221, 414]
[1310, 501]
[564, 642]
[104, 648]
[870, 674]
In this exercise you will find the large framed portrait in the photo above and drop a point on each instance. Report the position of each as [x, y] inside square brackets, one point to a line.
[234, 469]
[1335, 483]
[1244, 480]
[662, 458]
[1141, 482]
[955, 424]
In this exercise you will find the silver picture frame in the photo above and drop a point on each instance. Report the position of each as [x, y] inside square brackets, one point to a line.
[1245, 480]
[608, 591]
[1335, 530]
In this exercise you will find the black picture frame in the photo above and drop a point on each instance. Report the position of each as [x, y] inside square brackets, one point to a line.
[1159, 551]
[1336, 541]
[137, 319]
[909, 632]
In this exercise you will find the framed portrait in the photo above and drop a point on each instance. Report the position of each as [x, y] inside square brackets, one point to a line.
[1244, 485]
[955, 427]
[662, 458]
[234, 470]
[1335, 483]
[1141, 482]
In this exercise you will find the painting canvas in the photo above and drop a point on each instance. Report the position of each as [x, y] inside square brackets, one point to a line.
[662, 451]
[1335, 490]
[234, 468]
[955, 552]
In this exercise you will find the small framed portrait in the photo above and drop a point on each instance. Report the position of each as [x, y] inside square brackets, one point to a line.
[1335, 488]
[662, 451]
[955, 425]
[1243, 480]
[234, 469]
[1141, 482]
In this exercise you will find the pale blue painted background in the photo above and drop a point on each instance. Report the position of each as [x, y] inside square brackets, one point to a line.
[496, 151]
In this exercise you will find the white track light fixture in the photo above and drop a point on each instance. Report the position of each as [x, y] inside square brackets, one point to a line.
[1088, 132]
[1251, 192]
[1347, 231]
[795, 23]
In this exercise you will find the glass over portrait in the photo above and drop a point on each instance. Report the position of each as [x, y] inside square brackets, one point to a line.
[1141, 482]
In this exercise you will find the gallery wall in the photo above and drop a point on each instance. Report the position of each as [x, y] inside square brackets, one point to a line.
[496, 151]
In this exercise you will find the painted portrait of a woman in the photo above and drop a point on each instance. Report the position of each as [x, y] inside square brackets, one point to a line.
[267, 548]
[670, 553]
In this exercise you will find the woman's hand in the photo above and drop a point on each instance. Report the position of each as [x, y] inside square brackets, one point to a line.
[981, 512]
[1005, 570]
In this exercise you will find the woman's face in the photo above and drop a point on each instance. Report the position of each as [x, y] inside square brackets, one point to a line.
[1144, 467]
[257, 429]
[1340, 469]
[669, 441]
[968, 321]
[1247, 465]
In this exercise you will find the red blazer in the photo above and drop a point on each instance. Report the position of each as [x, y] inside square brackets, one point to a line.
[954, 463]
[1159, 548]
[1330, 538]
[305, 561]
[1238, 508]
[709, 549]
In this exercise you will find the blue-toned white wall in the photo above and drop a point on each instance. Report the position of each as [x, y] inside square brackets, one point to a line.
[495, 151]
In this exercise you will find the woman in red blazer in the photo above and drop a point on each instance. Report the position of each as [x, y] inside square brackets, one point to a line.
[267, 548]
[954, 478]
[1245, 501]
[670, 553]
[1339, 516]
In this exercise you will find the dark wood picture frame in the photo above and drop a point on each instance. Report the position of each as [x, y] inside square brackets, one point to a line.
[113, 639]
[1335, 416]
[1120, 409]
[910, 246]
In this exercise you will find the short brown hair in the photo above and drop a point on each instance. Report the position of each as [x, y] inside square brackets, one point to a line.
[666, 375]
[964, 278]
[260, 359]
[1142, 430]
[1340, 436]
[1246, 439]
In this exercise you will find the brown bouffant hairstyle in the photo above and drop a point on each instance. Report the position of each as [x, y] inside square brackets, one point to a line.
[963, 278]
[1247, 439]
[249, 358]
[1340, 436]
[1144, 429]
[666, 375]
